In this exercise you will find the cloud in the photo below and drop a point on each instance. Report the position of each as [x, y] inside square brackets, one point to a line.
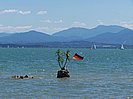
[100, 22]
[78, 24]
[15, 28]
[24, 12]
[126, 24]
[46, 29]
[23, 27]
[56, 29]
[42, 29]
[1, 25]
[8, 11]
[60, 21]
[46, 21]
[42, 12]
[50, 21]
[49, 30]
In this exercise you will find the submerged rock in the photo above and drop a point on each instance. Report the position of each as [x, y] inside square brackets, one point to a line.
[22, 77]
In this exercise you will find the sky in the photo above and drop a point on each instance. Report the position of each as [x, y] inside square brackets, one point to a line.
[50, 16]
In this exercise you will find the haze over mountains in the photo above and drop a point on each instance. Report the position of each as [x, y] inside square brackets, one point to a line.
[112, 34]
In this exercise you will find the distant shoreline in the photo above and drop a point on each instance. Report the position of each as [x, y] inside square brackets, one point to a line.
[65, 45]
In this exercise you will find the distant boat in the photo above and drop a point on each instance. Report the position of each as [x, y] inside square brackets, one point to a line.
[122, 47]
[8, 46]
[94, 46]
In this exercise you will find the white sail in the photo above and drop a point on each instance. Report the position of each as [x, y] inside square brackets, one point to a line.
[94, 46]
[122, 47]
[8, 46]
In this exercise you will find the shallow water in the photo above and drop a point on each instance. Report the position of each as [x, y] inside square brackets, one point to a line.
[103, 74]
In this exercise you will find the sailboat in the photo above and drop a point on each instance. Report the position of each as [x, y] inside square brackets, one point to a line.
[8, 46]
[122, 47]
[94, 46]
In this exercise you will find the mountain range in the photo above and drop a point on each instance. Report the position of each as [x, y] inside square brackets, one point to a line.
[111, 34]
[84, 33]
[124, 36]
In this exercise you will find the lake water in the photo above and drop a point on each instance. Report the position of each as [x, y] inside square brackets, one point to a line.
[103, 74]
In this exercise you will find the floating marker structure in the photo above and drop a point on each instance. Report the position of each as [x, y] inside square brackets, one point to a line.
[63, 59]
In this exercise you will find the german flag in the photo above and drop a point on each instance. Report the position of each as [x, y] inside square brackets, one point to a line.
[77, 57]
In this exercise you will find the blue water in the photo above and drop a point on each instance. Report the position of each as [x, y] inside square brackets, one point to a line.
[103, 74]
